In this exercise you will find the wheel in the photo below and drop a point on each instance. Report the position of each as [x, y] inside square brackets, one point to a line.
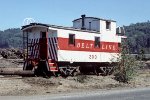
[28, 66]
[42, 69]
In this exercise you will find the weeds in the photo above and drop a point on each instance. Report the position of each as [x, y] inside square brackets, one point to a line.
[81, 78]
[126, 68]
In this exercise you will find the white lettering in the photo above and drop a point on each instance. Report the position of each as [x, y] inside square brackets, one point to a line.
[106, 47]
[103, 47]
[82, 45]
[110, 46]
[114, 47]
[91, 45]
[78, 45]
[87, 45]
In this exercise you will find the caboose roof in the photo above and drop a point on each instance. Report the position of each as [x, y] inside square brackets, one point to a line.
[96, 19]
[54, 26]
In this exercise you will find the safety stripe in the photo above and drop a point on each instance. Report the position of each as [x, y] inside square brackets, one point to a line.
[37, 49]
[30, 52]
[56, 47]
[49, 50]
[53, 48]
[33, 54]
[34, 49]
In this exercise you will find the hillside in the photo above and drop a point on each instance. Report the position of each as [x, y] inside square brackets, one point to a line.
[11, 38]
[138, 37]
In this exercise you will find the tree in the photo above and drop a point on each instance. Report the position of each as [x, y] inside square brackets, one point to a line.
[11, 38]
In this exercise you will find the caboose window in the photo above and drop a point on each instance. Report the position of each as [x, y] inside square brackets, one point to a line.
[119, 45]
[108, 24]
[97, 42]
[72, 39]
[43, 34]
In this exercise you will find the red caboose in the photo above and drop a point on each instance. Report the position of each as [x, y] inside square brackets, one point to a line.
[92, 43]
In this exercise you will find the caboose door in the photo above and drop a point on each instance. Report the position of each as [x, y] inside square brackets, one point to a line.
[43, 46]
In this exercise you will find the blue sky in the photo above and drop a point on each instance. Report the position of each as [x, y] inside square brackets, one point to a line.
[62, 12]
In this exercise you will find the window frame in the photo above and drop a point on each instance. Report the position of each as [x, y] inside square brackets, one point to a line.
[119, 45]
[108, 25]
[43, 34]
[97, 42]
[71, 39]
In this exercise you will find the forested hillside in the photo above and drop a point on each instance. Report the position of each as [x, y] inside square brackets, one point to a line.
[11, 38]
[138, 37]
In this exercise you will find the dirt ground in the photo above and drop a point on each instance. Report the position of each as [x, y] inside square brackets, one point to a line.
[16, 85]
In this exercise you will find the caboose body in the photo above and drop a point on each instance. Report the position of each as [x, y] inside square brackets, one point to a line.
[90, 43]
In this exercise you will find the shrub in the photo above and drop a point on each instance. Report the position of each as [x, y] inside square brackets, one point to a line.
[126, 67]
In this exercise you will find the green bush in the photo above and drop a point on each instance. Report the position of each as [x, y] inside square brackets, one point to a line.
[126, 67]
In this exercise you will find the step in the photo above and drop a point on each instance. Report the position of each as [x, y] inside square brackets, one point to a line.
[51, 64]
[53, 69]
[50, 61]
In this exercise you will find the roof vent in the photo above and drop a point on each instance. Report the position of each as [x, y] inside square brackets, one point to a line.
[83, 22]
